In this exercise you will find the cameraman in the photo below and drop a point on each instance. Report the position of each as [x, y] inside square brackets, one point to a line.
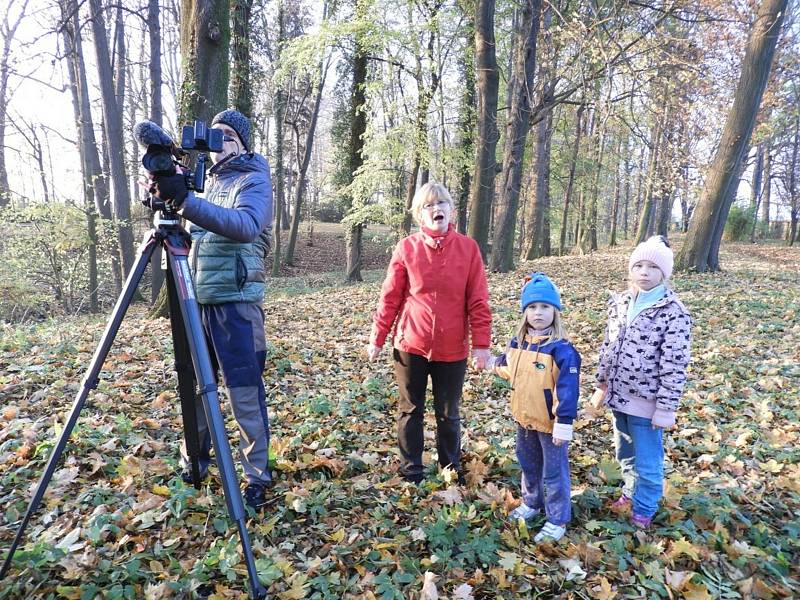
[230, 240]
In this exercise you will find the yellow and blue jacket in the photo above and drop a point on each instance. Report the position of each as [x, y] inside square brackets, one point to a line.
[545, 381]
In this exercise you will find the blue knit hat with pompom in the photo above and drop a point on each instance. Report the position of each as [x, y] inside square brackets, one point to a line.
[539, 288]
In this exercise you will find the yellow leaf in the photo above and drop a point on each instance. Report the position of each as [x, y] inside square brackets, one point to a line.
[156, 567]
[696, 592]
[771, 466]
[161, 490]
[683, 546]
[603, 591]
[337, 536]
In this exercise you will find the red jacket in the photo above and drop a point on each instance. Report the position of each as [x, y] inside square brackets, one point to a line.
[435, 294]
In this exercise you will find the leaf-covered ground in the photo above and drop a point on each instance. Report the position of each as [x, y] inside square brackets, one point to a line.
[117, 523]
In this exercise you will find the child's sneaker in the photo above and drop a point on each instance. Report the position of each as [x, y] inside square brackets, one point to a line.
[640, 522]
[621, 505]
[524, 512]
[554, 532]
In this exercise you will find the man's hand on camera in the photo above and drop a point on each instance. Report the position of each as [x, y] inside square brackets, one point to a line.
[170, 188]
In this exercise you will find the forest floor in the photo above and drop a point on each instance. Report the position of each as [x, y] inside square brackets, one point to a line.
[118, 523]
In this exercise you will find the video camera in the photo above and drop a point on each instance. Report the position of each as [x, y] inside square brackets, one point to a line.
[163, 156]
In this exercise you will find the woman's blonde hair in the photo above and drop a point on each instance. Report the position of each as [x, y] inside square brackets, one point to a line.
[558, 330]
[430, 192]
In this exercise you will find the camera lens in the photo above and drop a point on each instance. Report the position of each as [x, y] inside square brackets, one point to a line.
[158, 162]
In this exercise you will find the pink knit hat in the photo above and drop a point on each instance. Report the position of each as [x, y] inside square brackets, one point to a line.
[655, 249]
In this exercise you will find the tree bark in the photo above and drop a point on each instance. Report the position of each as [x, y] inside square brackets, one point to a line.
[517, 127]
[358, 127]
[562, 240]
[241, 91]
[617, 194]
[7, 30]
[482, 193]
[279, 182]
[157, 117]
[425, 93]
[205, 41]
[755, 190]
[466, 123]
[644, 230]
[115, 139]
[302, 177]
[70, 53]
[767, 192]
[695, 253]
[794, 196]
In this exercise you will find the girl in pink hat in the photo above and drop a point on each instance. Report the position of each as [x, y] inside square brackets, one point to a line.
[641, 373]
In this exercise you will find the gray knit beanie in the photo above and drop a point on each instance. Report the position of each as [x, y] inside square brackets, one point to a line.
[240, 124]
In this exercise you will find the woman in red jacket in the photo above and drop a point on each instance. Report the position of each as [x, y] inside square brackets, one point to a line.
[435, 298]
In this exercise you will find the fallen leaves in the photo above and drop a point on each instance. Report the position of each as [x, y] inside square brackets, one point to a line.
[342, 523]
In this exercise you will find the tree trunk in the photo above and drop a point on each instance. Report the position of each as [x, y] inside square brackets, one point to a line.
[68, 15]
[517, 126]
[588, 239]
[157, 117]
[794, 196]
[205, 41]
[538, 241]
[646, 213]
[425, 94]
[755, 190]
[241, 90]
[719, 226]
[695, 253]
[466, 126]
[279, 182]
[358, 127]
[562, 240]
[615, 204]
[488, 77]
[7, 30]
[302, 178]
[115, 139]
[767, 192]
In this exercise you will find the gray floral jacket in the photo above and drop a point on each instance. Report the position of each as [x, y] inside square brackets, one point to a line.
[644, 363]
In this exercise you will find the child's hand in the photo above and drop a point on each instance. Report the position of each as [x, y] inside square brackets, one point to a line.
[562, 432]
[598, 397]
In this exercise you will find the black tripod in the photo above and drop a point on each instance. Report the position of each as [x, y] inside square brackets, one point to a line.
[190, 351]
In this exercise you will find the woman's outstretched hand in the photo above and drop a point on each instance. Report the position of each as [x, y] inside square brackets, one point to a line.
[480, 358]
[373, 351]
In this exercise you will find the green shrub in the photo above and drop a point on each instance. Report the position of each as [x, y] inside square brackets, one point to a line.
[738, 225]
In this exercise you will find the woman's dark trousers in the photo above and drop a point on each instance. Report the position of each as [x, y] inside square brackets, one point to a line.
[411, 372]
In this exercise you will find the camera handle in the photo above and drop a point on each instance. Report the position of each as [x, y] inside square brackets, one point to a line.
[187, 335]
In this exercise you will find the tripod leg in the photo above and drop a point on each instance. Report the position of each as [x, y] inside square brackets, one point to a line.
[186, 381]
[89, 382]
[190, 311]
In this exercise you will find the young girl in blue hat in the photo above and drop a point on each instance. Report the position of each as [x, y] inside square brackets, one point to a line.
[543, 368]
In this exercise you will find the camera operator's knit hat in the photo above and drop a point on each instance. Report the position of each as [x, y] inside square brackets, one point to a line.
[240, 124]
[655, 249]
[539, 288]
